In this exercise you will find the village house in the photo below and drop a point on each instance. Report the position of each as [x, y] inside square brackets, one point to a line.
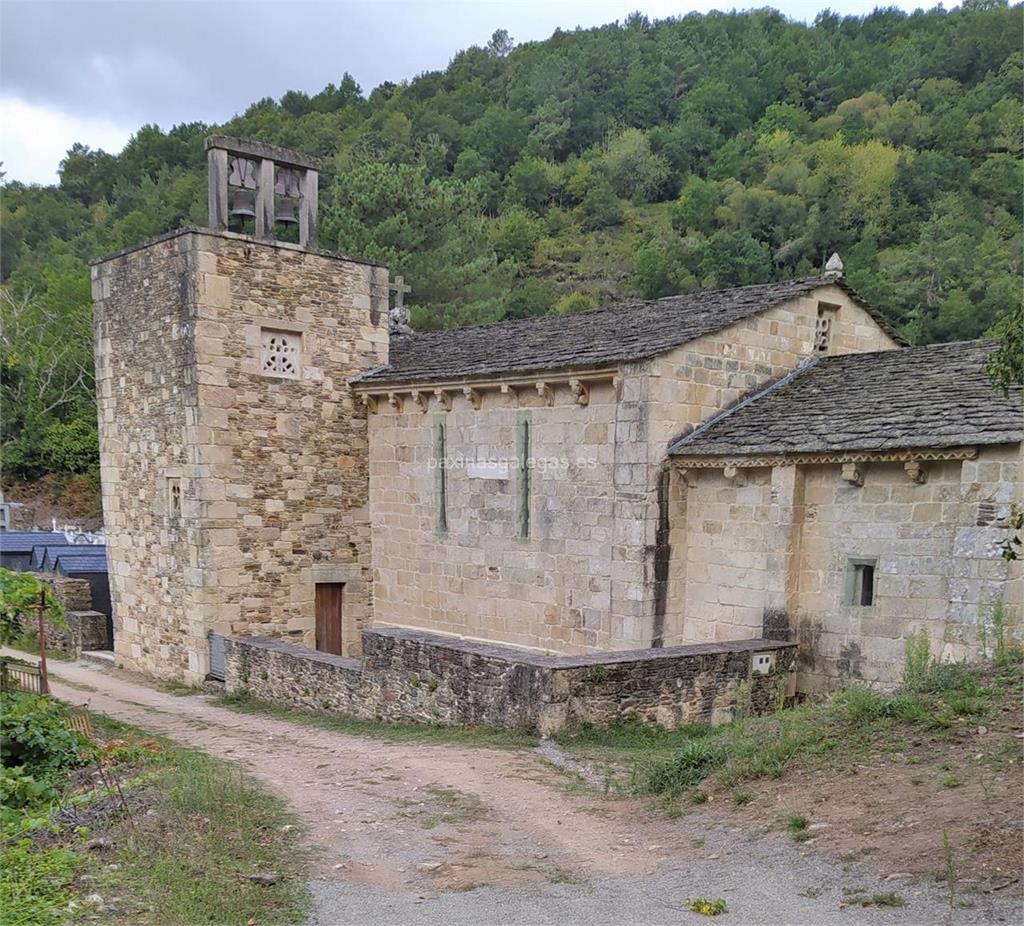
[664, 507]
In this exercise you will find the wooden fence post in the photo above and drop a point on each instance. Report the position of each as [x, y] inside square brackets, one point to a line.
[44, 679]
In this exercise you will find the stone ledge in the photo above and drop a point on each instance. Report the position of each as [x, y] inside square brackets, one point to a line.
[270, 644]
[233, 236]
[425, 677]
[514, 655]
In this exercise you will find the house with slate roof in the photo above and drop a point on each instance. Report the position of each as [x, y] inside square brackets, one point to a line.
[294, 478]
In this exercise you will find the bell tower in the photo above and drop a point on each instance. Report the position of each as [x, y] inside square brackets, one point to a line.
[268, 186]
[233, 451]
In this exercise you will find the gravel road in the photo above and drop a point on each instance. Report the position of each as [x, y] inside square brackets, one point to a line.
[431, 834]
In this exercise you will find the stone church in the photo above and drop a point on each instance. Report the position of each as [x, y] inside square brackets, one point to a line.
[655, 507]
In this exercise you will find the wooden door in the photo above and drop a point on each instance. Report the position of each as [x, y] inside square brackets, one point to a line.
[328, 617]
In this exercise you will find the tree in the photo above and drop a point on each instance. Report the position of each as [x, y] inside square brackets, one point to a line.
[501, 43]
[1006, 365]
[20, 596]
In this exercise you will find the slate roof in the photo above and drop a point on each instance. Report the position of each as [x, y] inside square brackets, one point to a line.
[75, 564]
[936, 396]
[598, 338]
[24, 541]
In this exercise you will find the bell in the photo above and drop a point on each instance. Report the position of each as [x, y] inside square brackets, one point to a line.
[284, 210]
[243, 204]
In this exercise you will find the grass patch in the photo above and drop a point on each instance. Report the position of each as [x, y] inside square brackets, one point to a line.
[857, 897]
[35, 884]
[179, 689]
[797, 826]
[494, 737]
[860, 720]
[207, 830]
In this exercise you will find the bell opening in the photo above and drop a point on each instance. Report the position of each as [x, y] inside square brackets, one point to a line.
[242, 211]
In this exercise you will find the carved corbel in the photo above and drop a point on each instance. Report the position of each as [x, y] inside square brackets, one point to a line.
[580, 391]
[472, 396]
[852, 474]
[421, 399]
[546, 392]
[915, 471]
[370, 401]
[735, 475]
[687, 477]
[395, 401]
[444, 399]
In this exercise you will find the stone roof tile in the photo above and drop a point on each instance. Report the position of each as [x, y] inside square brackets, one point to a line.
[935, 396]
[581, 340]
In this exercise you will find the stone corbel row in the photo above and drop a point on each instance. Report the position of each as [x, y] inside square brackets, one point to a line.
[852, 464]
[579, 387]
[853, 473]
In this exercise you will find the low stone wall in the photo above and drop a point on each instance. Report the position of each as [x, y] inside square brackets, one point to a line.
[423, 677]
[86, 630]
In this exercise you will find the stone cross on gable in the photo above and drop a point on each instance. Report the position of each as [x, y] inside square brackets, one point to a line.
[398, 317]
[400, 288]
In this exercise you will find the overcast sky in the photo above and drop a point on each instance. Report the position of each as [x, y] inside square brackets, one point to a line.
[88, 71]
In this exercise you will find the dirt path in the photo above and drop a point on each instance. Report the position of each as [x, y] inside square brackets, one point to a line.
[450, 834]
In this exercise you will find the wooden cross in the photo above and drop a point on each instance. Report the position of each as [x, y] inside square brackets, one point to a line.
[400, 288]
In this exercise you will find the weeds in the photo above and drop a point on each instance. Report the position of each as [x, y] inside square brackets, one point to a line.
[950, 870]
[689, 766]
[707, 907]
[797, 826]
[817, 734]
[190, 859]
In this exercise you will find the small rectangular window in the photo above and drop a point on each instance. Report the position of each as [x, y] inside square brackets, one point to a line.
[827, 313]
[441, 477]
[174, 498]
[860, 582]
[525, 475]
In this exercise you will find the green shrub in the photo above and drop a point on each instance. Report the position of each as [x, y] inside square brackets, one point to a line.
[33, 734]
[19, 788]
[20, 593]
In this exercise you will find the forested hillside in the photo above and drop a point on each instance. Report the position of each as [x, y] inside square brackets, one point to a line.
[638, 159]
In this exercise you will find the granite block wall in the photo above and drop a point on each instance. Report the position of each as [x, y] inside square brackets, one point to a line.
[231, 488]
[772, 547]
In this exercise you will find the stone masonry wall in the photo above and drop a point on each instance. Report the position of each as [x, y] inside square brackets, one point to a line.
[86, 629]
[272, 469]
[774, 544]
[939, 565]
[146, 396]
[587, 578]
[479, 578]
[414, 676]
[691, 385]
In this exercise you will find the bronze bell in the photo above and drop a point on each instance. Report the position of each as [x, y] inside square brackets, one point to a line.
[284, 210]
[243, 204]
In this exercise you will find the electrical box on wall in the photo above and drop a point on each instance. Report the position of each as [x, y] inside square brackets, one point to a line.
[763, 663]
